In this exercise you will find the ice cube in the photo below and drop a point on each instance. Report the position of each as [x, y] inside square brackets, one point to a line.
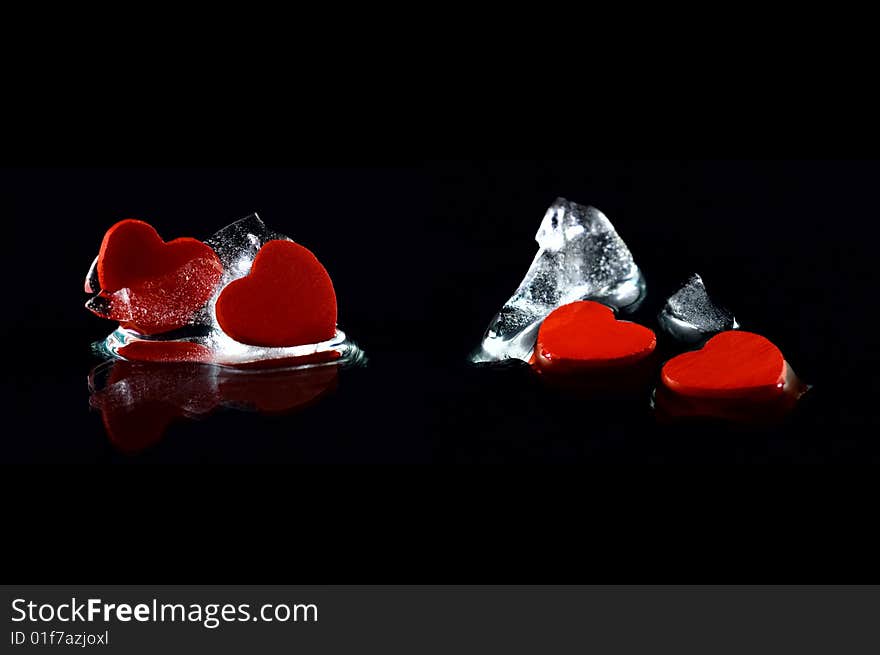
[690, 315]
[580, 257]
[237, 244]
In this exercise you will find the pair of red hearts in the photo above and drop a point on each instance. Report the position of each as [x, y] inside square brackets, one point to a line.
[585, 336]
[286, 300]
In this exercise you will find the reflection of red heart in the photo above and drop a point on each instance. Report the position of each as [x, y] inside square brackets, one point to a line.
[286, 300]
[585, 335]
[133, 431]
[140, 400]
[166, 351]
[732, 364]
[166, 282]
[277, 392]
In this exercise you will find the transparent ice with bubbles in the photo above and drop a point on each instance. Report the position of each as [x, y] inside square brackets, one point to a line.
[237, 244]
[580, 257]
[691, 316]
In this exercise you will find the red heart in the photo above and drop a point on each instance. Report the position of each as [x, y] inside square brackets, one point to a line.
[165, 283]
[731, 365]
[286, 300]
[141, 399]
[585, 335]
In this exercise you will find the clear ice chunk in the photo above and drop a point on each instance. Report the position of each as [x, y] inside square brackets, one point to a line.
[237, 244]
[580, 257]
[92, 285]
[691, 316]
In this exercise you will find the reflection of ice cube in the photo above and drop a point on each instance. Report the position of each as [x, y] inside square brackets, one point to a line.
[580, 257]
[690, 315]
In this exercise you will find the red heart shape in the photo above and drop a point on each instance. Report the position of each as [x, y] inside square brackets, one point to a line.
[732, 364]
[586, 335]
[165, 283]
[286, 300]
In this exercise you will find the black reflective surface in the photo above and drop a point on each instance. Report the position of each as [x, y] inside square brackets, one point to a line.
[421, 258]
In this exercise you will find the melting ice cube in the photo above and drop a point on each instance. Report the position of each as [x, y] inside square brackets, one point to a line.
[236, 245]
[690, 315]
[580, 257]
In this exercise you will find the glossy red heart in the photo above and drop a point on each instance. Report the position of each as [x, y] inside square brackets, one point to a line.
[585, 335]
[731, 365]
[286, 300]
[152, 286]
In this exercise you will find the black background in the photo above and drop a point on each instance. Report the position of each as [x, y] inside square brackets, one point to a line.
[422, 254]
